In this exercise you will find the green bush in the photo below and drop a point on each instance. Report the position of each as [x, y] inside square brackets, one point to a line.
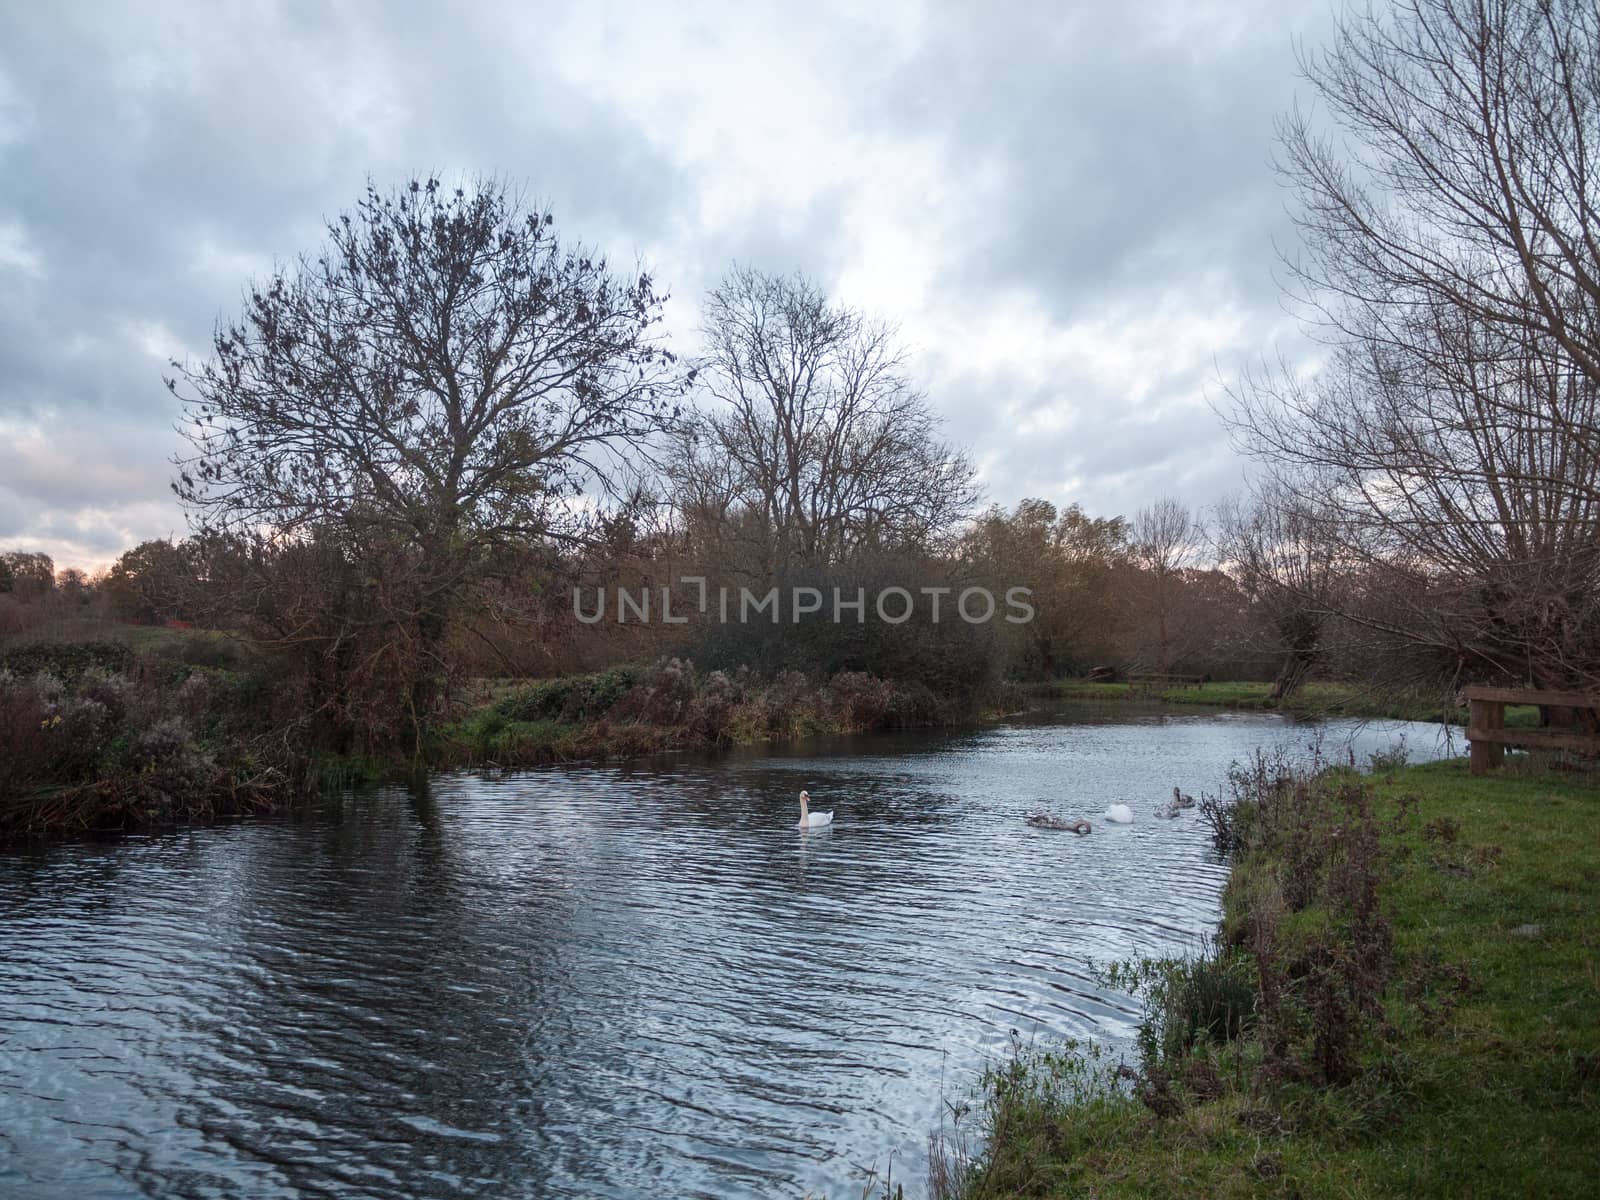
[949, 656]
[204, 650]
[66, 661]
[579, 698]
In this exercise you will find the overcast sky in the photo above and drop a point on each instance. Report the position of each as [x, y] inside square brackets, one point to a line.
[1068, 209]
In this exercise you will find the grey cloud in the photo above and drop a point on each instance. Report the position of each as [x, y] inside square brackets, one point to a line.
[154, 155]
[1135, 156]
[1111, 456]
[1132, 165]
[139, 145]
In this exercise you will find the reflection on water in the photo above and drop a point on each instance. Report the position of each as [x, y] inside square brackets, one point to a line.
[595, 981]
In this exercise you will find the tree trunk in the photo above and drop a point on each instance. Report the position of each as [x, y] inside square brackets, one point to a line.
[1047, 658]
[1166, 647]
[426, 677]
[1291, 675]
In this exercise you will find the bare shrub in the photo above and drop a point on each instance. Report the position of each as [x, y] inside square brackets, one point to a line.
[113, 692]
[25, 740]
[662, 696]
[859, 700]
[118, 751]
[196, 695]
[13, 617]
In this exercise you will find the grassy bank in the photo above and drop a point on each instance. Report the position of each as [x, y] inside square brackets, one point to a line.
[150, 732]
[1311, 700]
[1404, 1001]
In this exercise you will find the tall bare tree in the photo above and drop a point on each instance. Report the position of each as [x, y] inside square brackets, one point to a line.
[1166, 540]
[1287, 560]
[440, 381]
[1464, 189]
[814, 426]
[1452, 260]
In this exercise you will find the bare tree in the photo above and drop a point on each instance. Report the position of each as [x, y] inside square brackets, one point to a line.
[438, 383]
[1483, 527]
[1464, 186]
[1166, 540]
[815, 428]
[1452, 261]
[1287, 560]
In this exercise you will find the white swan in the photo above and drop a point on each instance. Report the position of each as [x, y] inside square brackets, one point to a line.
[809, 819]
[1119, 814]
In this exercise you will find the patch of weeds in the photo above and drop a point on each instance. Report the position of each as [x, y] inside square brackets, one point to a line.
[1487, 857]
[1207, 998]
[1442, 830]
[1387, 762]
[1434, 986]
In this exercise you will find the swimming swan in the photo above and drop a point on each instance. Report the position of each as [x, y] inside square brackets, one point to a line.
[1041, 820]
[809, 819]
[1172, 808]
[1119, 814]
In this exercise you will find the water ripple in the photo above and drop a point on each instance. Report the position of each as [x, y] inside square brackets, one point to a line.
[593, 982]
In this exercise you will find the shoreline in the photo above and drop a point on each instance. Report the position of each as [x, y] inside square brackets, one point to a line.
[1404, 1004]
[1314, 700]
[619, 715]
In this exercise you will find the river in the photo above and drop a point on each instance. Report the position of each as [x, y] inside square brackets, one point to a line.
[600, 981]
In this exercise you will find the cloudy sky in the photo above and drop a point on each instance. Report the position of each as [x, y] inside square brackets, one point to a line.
[1068, 208]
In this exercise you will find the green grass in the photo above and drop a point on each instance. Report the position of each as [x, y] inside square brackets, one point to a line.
[96, 629]
[487, 740]
[1487, 1082]
[1080, 689]
[1312, 700]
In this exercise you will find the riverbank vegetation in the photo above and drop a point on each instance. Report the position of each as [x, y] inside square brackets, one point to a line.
[671, 706]
[94, 735]
[1401, 1000]
[171, 726]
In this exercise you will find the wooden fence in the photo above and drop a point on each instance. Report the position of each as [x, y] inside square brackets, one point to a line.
[1486, 724]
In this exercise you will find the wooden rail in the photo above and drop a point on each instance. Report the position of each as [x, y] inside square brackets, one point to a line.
[1486, 724]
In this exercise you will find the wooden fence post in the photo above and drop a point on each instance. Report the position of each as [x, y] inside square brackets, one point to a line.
[1487, 714]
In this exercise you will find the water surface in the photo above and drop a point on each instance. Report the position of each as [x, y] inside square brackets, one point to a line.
[597, 981]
